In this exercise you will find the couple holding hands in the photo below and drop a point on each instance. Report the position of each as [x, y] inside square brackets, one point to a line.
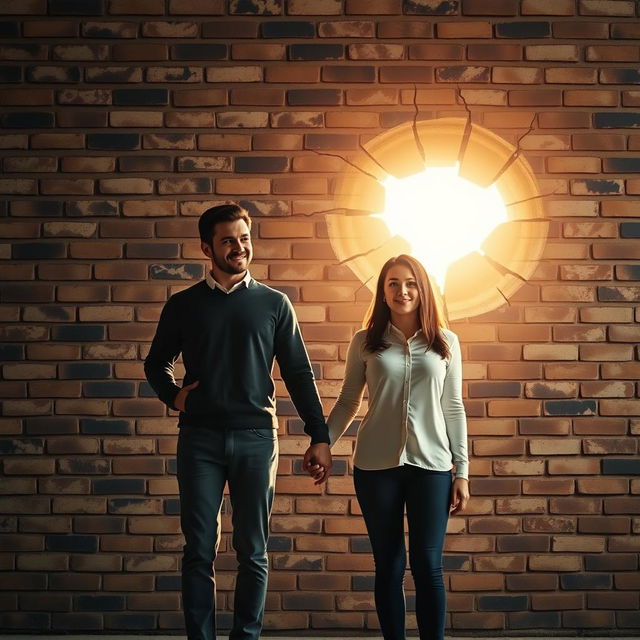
[411, 446]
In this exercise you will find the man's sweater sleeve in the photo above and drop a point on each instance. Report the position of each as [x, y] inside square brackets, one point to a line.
[297, 373]
[164, 351]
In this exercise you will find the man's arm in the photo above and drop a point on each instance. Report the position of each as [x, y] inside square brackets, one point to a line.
[297, 374]
[165, 349]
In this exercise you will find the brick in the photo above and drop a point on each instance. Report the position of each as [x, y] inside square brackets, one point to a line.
[600, 8]
[572, 75]
[347, 29]
[375, 51]
[548, 7]
[490, 7]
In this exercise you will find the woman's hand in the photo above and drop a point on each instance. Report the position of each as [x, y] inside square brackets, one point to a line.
[181, 398]
[459, 496]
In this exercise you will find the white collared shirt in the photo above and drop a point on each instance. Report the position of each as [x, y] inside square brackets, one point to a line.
[415, 413]
[214, 284]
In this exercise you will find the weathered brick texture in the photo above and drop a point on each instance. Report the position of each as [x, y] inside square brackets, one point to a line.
[123, 119]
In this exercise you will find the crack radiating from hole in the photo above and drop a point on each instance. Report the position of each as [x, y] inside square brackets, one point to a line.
[414, 126]
[364, 254]
[373, 159]
[467, 129]
[355, 166]
[498, 266]
[516, 154]
[542, 195]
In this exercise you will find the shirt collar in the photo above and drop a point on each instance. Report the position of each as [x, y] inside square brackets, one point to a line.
[214, 284]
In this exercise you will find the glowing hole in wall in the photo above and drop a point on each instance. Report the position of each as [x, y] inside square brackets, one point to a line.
[442, 216]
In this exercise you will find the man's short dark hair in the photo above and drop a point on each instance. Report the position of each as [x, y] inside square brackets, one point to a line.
[221, 213]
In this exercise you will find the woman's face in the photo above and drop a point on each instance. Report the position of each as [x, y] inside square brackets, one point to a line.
[401, 290]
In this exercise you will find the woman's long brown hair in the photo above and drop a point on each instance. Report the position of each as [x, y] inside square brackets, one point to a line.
[430, 314]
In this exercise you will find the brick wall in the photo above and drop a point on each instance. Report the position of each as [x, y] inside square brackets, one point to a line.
[123, 119]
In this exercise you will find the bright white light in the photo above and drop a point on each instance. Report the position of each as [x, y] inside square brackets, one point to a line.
[441, 215]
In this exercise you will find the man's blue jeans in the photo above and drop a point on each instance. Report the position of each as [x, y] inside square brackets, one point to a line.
[207, 459]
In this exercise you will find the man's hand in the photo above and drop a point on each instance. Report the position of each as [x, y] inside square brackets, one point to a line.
[459, 495]
[317, 461]
[181, 398]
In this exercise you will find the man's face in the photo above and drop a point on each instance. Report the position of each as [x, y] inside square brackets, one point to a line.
[231, 244]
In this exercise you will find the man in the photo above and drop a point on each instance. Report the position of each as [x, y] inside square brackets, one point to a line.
[229, 328]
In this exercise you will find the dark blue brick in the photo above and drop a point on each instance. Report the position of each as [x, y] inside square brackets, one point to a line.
[11, 352]
[621, 165]
[50, 425]
[630, 230]
[39, 250]
[10, 74]
[629, 75]
[316, 51]
[621, 466]
[172, 466]
[266, 207]
[611, 562]
[279, 543]
[79, 333]
[570, 407]
[184, 271]
[118, 485]
[113, 140]
[262, 164]
[204, 52]
[99, 603]
[146, 391]
[256, 7]
[294, 29]
[329, 141]
[362, 583]
[613, 120]
[628, 271]
[493, 389]
[21, 446]
[28, 208]
[37, 74]
[443, 8]
[131, 97]
[172, 506]
[523, 29]
[109, 389]
[610, 294]
[168, 583]
[131, 621]
[455, 563]
[319, 97]
[84, 370]
[76, 7]
[95, 208]
[534, 620]
[28, 120]
[461, 73]
[105, 426]
[582, 581]
[56, 313]
[120, 505]
[83, 466]
[339, 468]
[503, 603]
[360, 544]
[604, 187]
[72, 543]
[9, 29]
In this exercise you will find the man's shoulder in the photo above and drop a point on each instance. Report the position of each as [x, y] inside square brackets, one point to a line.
[192, 293]
[264, 291]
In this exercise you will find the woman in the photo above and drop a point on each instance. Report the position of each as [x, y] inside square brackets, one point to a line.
[412, 434]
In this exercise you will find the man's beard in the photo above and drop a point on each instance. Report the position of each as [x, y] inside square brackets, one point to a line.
[228, 267]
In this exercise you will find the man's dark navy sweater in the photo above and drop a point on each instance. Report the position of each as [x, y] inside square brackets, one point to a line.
[228, 343]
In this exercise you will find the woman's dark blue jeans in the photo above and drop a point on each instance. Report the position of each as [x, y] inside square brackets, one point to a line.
[207, 460]
[383, 495]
